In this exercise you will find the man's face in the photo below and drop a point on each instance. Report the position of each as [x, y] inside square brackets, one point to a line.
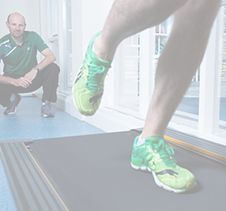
[16, 26]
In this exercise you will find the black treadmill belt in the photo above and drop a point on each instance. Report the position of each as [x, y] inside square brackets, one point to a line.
[93, 173]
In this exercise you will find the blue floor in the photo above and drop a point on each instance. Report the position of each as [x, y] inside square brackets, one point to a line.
[28, 123]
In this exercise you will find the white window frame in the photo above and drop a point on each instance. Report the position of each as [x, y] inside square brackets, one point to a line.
[209, 100]
[58, 36]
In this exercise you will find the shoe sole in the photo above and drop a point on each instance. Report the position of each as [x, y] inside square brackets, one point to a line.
[74, 94]
[46, 116]
[162, 185]
[13, 112]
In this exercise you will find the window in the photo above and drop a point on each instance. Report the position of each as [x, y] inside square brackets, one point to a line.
[130, 81]
[222, 66]
[129, 73]
[203, 108]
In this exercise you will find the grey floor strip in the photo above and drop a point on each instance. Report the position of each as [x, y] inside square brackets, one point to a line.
[30, 187]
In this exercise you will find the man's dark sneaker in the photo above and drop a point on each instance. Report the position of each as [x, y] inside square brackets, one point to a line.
[46, 109]
[12, 105]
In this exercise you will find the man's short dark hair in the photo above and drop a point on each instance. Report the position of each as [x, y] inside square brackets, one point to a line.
[11, 14]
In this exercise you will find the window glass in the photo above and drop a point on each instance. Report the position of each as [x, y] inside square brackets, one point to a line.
[130, 65]
[222, 63]
[129, 73]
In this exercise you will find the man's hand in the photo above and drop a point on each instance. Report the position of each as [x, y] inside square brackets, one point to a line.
[22, 81]
[31, 74]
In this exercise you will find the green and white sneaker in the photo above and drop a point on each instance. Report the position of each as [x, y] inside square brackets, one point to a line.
[89, 84]
[156, 155]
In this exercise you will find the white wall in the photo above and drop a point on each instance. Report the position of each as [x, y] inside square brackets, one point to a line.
[93, 17]
[43, 20]
[88, 18]
[29, 9]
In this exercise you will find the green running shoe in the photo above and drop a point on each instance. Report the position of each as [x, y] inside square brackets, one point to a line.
[156, 155]
[89, 84]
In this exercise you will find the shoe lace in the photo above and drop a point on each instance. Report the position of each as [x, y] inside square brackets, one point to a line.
[165, 151]
[96, 72]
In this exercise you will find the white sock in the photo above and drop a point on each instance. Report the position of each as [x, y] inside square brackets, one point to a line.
[93, 49]
[140, 141]
[12, 98]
